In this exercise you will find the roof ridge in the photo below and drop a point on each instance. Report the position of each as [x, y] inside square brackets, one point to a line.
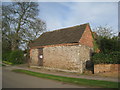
[67, 28]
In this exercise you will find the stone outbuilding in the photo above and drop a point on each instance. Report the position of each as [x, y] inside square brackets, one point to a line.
[64, 49]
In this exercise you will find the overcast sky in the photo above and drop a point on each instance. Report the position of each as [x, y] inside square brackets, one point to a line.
[64, 14]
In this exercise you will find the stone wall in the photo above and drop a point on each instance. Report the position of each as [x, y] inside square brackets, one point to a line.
[100, 68]
[66, 57]
[33, 57]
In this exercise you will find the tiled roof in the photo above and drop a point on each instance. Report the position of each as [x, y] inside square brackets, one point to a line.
[61, 36]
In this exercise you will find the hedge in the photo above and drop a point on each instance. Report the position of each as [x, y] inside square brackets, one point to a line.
[15, 57]
[6, 55]
[106, 58]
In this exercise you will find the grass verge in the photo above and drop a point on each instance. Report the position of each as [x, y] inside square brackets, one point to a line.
[79, 81]
[6, 62]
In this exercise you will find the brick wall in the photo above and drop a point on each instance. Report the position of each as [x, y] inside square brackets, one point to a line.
[100, 68]
[87, 38]
[66, 57]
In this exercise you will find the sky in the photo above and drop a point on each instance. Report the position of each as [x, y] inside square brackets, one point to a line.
[66, 14]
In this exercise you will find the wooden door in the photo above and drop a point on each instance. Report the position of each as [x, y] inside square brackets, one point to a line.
[40, 56]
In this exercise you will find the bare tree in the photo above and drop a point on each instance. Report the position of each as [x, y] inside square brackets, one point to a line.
[20, 23]
[104, 31]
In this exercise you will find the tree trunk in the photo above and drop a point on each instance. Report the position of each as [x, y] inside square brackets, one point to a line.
[15, 45]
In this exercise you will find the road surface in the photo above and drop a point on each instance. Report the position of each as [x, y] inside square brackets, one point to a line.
[17, 80]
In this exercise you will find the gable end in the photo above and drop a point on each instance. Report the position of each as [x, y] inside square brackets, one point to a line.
[87, 38]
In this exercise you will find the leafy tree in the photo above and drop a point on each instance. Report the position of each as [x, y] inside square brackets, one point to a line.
[20, 23]
[109, 46]
[109, 51]
[105, 39]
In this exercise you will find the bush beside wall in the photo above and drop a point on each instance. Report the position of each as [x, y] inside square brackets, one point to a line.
[106, 58]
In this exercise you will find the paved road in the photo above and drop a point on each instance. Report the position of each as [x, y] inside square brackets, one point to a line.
[17, 80]
[46, 71]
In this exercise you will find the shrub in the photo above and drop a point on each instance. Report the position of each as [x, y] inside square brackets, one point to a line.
[16, 57]
[107, 45]
[106, 58]
[6, 55]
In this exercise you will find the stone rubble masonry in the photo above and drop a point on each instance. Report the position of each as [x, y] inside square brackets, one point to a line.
[101, 68]
[66, 57]
[33, 57]
[71, 58]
